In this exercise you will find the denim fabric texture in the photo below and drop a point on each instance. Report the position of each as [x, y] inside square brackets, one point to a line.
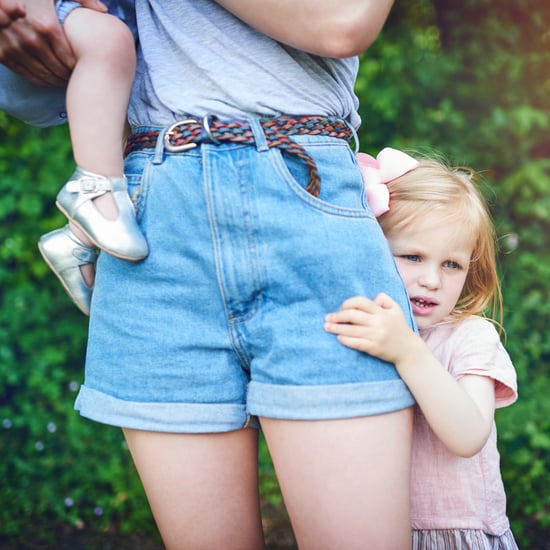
[224, 319]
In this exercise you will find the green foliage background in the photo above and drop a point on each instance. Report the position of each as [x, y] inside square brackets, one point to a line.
[470, 80]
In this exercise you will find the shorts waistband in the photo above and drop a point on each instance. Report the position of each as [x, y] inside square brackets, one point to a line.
[189, 133]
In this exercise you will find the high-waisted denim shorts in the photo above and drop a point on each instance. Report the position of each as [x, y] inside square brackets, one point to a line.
[223, 321]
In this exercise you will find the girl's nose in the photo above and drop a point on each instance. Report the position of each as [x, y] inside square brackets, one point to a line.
[429, 278]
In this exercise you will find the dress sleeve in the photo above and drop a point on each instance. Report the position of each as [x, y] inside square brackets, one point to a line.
[479, 351]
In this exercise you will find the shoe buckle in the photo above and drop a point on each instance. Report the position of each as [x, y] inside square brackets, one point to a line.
[87, 184]
[170, 132]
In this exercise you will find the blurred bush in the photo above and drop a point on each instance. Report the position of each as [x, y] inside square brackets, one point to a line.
[56, 468]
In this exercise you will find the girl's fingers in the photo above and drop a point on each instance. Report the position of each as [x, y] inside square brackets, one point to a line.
[360, 303]
[352, 331]
[348, 316]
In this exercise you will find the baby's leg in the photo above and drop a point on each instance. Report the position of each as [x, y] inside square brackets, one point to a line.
[97, 102]
[99, 89]
[95, 199]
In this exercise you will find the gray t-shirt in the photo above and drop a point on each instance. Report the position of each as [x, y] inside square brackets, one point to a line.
[195, 58]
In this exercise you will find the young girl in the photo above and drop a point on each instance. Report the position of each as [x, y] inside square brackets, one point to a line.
[95, 199]
[442, 238]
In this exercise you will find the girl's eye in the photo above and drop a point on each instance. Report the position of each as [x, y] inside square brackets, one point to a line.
[411, 257]
[452, 265]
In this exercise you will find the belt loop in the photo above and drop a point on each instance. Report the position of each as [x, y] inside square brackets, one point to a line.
[206, 132]
[355, 136]
[259, 134]
[159, 147]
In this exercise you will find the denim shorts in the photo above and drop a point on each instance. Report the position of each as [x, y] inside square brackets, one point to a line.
[223, 321]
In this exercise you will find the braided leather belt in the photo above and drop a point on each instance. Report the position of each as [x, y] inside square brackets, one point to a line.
[188, 134]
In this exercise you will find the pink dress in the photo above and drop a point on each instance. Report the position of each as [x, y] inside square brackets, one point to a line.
[460, 502]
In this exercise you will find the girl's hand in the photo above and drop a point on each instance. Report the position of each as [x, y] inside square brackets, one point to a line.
[376, 327]
[35, 46]
[460, 412]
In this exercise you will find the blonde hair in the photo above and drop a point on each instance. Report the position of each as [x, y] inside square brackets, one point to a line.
[435, 188]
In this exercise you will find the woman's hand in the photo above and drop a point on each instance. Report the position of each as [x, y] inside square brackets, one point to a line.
[35, 46]
[10, 10]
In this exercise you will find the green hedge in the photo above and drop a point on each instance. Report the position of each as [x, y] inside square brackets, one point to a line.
[56, 468]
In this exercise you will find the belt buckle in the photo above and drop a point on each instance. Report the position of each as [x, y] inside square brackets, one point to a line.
[168, 134]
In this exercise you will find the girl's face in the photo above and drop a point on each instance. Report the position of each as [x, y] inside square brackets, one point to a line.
[433, 260]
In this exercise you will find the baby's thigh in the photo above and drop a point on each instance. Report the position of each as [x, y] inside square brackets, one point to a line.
[94, 34]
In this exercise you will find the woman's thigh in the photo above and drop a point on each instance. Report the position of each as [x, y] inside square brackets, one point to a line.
[345, 482]
[202, 488]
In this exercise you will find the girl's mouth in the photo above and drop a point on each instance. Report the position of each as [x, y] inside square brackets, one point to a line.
[422, 306]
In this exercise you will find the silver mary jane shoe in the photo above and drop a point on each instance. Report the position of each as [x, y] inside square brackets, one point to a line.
[121, 237]
[64, 252]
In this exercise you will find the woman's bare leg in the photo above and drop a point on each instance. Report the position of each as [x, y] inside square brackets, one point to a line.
[202, 488]
[345, 482]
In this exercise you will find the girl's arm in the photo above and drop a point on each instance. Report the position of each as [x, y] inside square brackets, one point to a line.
[330, 28]
[460, 412]
[35, 46]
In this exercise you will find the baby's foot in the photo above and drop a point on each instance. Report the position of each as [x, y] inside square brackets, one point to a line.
[116, 231]
[73, 262]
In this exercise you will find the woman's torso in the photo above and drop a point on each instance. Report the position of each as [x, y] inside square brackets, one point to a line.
[196, 58]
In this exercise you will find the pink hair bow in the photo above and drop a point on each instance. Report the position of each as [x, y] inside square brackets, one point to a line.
[388, 165]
